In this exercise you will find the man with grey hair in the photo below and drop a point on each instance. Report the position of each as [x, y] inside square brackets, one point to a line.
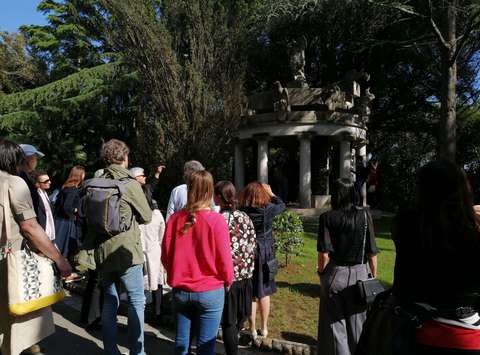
[178, 197]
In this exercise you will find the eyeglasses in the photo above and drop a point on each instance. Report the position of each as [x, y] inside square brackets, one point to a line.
[44, 182]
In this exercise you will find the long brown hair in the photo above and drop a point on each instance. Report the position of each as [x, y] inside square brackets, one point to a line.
[199, 196]
[75, 178]
[254, 195]
[225, 190]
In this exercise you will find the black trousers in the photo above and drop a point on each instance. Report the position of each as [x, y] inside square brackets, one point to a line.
[92, 299]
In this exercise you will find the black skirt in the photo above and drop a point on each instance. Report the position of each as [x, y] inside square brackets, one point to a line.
[238, 303]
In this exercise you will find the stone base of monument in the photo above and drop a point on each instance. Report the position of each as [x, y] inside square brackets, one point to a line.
[321, 201]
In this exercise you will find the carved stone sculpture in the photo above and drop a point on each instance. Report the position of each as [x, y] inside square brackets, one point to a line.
[334, 98]
[281, 103]
[365, 100]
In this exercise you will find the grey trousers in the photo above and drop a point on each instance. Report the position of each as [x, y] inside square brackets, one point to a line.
[341, 317]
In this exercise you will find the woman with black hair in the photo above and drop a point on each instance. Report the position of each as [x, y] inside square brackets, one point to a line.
[16, 212]
[438, 244]
[346, 242]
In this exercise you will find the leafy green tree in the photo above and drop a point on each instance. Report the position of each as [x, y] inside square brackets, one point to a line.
[73, 38]
[71, 117]
[453, 24]
[189, 56]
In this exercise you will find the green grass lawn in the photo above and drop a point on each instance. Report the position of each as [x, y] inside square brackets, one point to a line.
[294, 314]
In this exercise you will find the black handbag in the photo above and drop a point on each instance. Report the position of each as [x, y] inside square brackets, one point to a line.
[367, 289]
[390, 328]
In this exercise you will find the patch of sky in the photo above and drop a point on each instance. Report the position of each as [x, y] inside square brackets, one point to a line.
[15, 13]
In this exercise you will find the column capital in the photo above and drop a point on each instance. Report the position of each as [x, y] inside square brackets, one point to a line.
[306, 135]
[360, 143]
[239, 141]
[262, 137]
[346, 136]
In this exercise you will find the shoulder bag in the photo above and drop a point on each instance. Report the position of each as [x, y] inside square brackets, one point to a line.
[33, 280]
[368, 289]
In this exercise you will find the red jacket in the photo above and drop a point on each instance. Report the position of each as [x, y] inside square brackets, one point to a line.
[199, 260]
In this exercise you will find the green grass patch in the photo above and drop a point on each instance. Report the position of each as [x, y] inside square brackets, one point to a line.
[294, 309]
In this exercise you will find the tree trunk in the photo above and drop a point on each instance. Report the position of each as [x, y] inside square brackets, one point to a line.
[448, 95]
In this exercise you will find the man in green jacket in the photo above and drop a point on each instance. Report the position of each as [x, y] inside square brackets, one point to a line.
[119, 259]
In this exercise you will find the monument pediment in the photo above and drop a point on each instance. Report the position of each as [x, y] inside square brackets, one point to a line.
[343, 102]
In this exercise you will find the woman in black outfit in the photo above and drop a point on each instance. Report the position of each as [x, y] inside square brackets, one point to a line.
[66, 209]
[438, 246]
[261, 205]
[346, 242]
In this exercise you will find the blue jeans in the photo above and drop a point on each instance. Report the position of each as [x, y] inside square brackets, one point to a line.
[204, 309]
[132, 281]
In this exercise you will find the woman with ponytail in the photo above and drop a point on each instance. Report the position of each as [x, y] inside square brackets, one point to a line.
[196, 255]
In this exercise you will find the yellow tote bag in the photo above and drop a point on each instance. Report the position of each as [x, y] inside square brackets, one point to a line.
[33, 281]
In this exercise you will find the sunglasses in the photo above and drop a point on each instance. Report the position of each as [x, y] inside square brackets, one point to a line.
[44, 182]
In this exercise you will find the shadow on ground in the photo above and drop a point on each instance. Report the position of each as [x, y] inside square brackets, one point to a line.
[70, 343]
[70, 337]
[299, 338]
[306, 289]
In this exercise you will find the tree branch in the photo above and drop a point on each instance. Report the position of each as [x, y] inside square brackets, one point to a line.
[474, 22]
[405, 9]
[436, 30]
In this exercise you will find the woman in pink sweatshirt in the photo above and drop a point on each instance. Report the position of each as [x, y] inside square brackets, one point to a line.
[196, 255]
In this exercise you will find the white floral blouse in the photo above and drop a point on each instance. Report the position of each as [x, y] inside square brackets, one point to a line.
[242, 243]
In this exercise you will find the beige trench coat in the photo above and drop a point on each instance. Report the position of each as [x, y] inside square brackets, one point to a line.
[152, 236]
[18, 333]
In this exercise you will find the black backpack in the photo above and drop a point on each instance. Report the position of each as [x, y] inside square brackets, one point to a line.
[100, 206]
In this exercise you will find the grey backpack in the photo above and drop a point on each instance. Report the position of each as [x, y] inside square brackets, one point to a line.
[100, 206]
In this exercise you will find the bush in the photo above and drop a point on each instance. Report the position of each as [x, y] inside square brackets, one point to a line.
[288, 232]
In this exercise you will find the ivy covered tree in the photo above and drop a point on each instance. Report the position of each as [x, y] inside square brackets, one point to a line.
[190, 57]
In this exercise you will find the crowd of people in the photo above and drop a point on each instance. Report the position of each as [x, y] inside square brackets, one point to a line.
[215, 250]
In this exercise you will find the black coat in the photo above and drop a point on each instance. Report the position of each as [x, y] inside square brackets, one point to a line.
[68, 201]
[35, 198]
[42, 212]
[262, 217]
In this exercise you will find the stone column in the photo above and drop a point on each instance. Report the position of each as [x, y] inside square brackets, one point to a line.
[345, 157]
[305, 179]
[362, 154]
[262, 161]
[239, 166]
